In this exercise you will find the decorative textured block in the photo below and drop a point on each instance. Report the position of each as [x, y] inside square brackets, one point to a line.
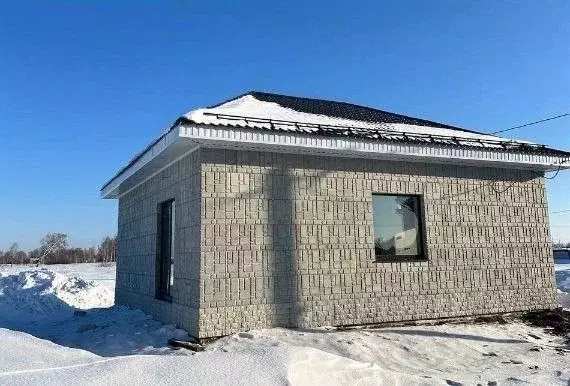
[271, 239]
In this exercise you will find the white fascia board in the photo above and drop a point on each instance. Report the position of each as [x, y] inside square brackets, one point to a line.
[111, 189]
[231, 137]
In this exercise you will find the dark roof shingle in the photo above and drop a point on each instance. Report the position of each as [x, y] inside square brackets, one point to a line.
[342, 110]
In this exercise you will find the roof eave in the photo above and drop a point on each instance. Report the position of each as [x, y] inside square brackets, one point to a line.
[158, 155]
[239, 137]
[186, 136]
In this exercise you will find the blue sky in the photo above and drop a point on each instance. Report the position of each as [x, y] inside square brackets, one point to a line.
[85, 85]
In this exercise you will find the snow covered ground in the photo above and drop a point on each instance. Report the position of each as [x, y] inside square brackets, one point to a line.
[44, 341]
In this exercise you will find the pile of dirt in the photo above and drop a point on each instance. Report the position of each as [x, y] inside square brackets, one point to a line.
[499, 318]
[556, 321]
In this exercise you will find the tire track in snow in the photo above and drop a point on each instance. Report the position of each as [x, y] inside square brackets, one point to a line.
[29, 371]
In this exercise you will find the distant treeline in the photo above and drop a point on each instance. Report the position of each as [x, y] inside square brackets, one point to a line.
[54, 250]
[561, 245]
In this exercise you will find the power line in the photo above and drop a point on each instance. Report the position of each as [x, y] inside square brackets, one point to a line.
[560, 211]
[531, 123]
[555, 174]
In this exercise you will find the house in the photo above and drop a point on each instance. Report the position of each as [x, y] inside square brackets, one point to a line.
[561, 255]
[272, 210]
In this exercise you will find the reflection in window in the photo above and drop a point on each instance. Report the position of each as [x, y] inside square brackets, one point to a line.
[397, 231]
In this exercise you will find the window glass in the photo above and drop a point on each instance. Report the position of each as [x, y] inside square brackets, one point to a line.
[172, 233]
[397, 229]
[165, 255]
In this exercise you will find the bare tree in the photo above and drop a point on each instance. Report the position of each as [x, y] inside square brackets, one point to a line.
[89, 255]
[21, 257]
[561, 244]
[11, 254]
[51, 243]
[54, 250]
[108, 250]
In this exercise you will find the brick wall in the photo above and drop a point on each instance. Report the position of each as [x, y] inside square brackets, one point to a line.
[269, 239]
[287, 240]
[137, 238]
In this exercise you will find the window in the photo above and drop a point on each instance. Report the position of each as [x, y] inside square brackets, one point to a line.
[165, 250]
[397, 227]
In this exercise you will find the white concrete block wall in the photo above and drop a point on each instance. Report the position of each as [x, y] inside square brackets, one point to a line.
[287, 240]
[137, 240]
[270, 239]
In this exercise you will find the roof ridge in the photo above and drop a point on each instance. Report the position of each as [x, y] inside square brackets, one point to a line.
[234, 98]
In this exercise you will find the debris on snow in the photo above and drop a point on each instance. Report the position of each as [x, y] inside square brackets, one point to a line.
[176, 343]
[557, 321]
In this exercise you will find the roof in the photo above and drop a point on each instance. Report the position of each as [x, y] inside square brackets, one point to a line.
[274, 112]
[339, 110]
[257, 109]
[263, 112]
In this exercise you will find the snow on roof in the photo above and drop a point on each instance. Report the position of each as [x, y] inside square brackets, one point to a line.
[260, 107]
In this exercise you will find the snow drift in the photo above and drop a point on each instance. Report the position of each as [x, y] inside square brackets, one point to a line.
[44, 291]
[47, 345]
